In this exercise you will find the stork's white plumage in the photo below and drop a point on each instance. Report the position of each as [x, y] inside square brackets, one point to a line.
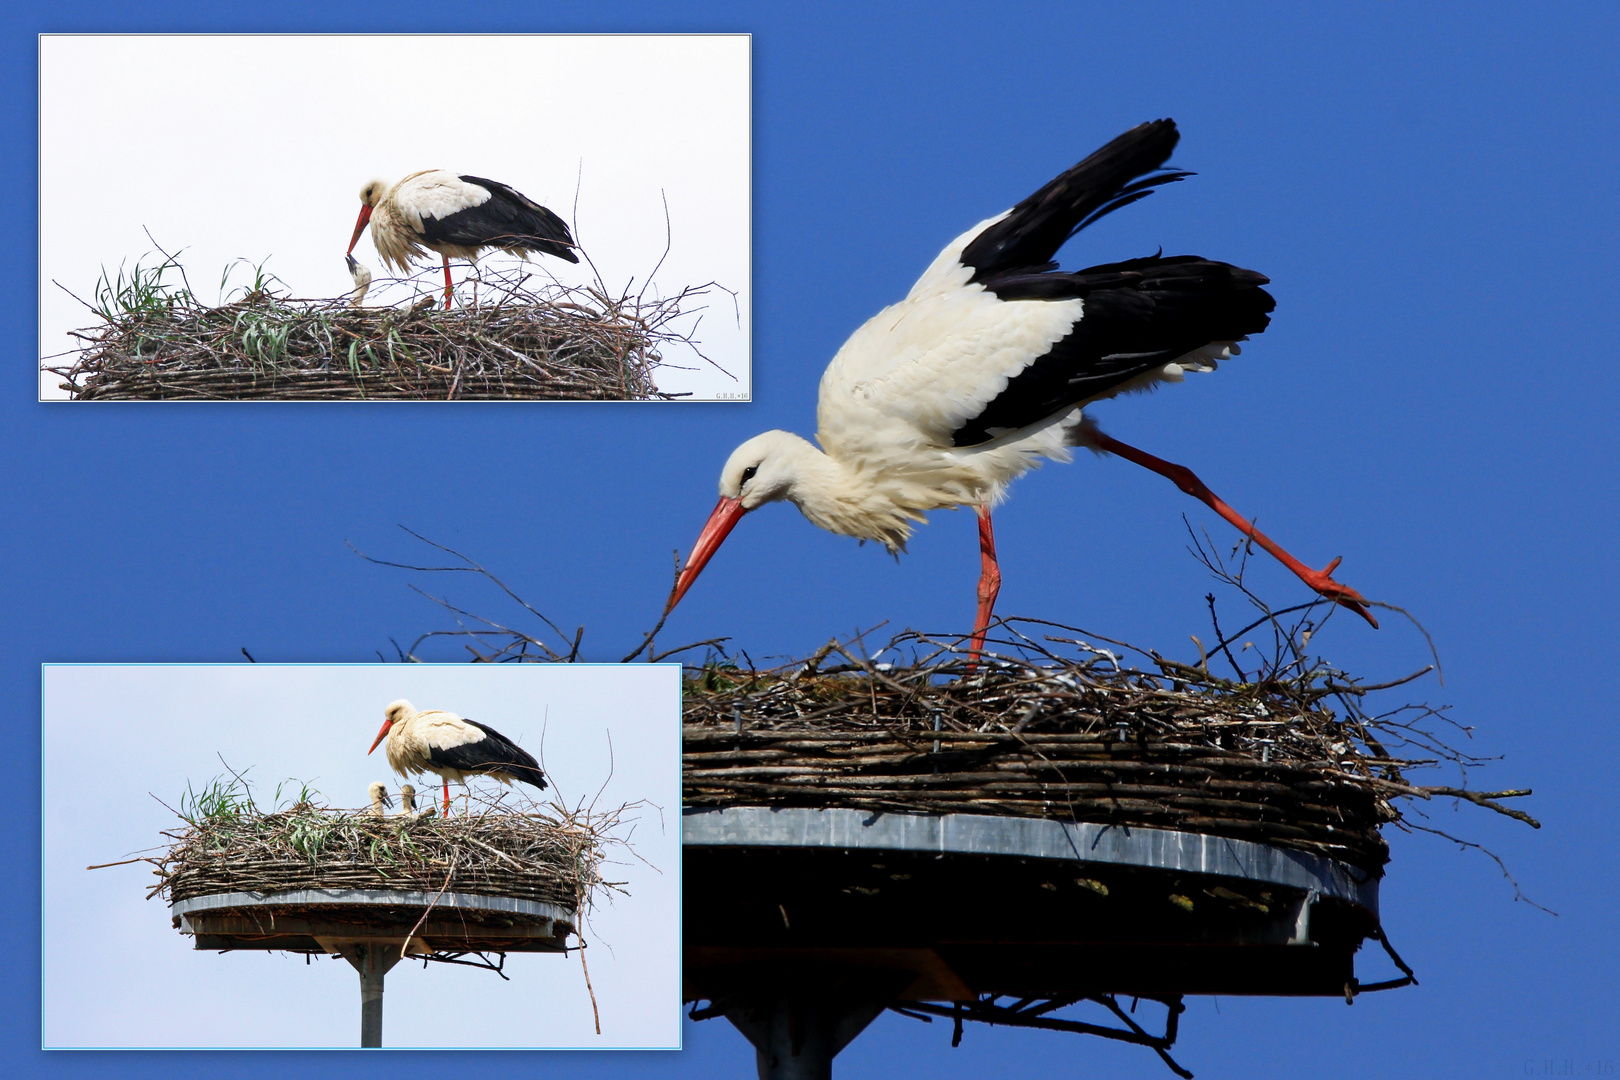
[458, 217]
[453, 747]
[983, 371]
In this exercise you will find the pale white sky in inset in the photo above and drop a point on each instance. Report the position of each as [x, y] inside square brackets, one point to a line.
[256, 147]
[116, 974]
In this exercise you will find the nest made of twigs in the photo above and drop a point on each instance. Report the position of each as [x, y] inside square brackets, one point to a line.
[1073, 738]
[520, 341]
[497, 853]
[1053, 722]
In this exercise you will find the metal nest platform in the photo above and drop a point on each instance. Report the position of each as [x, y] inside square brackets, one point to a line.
[998, 836]
[802, 925]
[374, 929]
[312, 920]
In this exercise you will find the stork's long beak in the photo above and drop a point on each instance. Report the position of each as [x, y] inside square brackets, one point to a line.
[725, 517]
[359, 227]
[381, 734]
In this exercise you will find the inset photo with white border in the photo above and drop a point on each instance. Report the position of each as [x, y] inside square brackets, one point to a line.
[198, 192]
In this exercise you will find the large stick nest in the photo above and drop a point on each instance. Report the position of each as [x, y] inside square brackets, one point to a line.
[520, 341]
[1053, 722]
[1072, 737]
[492, 852]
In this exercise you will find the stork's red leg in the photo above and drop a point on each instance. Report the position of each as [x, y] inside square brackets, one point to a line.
[447, 308]
[989, 585]
[447, 798]
[1183, 477]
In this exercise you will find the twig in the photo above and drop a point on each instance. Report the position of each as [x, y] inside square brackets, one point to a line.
[431, 905]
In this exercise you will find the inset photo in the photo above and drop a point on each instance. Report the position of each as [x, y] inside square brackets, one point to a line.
[322, 856]
[395, 217]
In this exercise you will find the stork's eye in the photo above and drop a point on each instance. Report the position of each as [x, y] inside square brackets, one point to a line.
[748, 474]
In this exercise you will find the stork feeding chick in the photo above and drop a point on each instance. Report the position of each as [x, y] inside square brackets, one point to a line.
[457, 217]
[453, 747]
[985, 368]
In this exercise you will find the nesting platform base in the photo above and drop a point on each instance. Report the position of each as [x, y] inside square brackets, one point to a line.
[373, 929]
[824, 917]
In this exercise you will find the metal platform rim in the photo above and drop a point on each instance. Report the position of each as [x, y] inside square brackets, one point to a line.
[374, 898]
[1029, 838]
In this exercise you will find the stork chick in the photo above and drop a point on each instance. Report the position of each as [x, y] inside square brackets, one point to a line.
[380, 800]
[362, 279]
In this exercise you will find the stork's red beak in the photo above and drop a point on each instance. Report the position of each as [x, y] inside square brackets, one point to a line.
[725, 517]
[359, 227]
[381, 734]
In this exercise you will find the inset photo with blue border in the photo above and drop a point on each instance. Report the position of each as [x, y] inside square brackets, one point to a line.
[413, 855]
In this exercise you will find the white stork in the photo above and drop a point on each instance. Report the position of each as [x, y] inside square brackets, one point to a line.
[985, 367]
[452, 746]
[456, 216]
[380, 799]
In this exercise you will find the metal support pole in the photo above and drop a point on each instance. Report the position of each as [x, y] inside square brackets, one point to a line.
[799, 1024]
[798, 1039]
[371, 959]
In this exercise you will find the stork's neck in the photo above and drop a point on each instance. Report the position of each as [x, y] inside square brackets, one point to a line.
[843, 499]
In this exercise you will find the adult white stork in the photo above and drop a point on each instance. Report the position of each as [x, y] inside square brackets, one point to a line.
[985, 367]
[456, 216]
[453, 747]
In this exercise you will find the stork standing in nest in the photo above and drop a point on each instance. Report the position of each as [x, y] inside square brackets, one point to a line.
[453, 747]
[457, 217]
[983, 370]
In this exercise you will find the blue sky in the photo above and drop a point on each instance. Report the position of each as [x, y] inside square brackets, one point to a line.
[1430, 188]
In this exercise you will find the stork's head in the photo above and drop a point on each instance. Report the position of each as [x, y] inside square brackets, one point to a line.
[378, 793]
[392, 715]
[764, 469]
[370, 196]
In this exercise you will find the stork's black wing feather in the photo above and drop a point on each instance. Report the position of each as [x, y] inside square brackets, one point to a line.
[1136, 316]
[1113, 177]
[507, 219]
[493, 753]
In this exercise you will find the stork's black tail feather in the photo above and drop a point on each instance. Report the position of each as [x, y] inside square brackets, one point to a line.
[1112, 177]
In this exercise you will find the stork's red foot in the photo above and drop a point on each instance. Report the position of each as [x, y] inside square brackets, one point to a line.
[1340, 593]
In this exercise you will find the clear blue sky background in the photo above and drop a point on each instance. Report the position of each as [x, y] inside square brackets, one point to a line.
[1431, 189]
